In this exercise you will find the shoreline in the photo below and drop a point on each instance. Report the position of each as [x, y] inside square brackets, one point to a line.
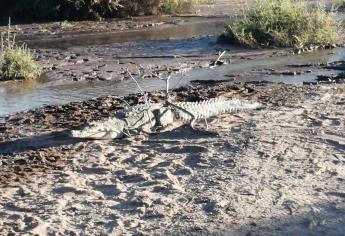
[277, 170]
[246, 168]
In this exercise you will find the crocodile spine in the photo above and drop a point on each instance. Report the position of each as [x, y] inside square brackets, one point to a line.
[212, 107]
[150, 116]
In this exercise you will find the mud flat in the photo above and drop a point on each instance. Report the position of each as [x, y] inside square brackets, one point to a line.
[278, 170]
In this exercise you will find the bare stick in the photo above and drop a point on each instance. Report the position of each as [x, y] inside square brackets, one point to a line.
[167, 84]
[206, 123]
[218, 59]
[146, 100]
[167, 89]
[181, 73]
[220, 55]
[142, 91]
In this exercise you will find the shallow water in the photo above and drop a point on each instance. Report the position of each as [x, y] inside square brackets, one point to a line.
[177, 27]
[19, 96]
[252, 69]
[166, 40]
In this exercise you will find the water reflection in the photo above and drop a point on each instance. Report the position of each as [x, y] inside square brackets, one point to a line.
[20, 96]
[186, 28]
[278, 63]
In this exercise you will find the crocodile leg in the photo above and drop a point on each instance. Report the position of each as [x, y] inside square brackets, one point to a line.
[206, 123]
[193, 118]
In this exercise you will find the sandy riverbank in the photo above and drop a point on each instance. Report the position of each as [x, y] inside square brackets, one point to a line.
[274, 171]
[279, 170]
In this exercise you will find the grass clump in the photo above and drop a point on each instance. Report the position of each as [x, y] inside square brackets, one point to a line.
[66, 24]
[176, 6]
[16, 62]
[282, 23]
[341, 6]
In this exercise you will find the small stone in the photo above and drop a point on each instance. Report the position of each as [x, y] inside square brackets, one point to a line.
[104, 77]
[89, 78]
[297, 51]
[293, 73]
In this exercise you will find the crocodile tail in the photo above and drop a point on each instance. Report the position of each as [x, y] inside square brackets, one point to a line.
[213, 107]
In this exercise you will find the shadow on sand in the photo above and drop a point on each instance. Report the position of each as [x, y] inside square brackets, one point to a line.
[48, 140]
[57, 139]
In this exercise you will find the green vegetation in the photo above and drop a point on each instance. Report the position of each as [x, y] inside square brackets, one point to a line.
[341, 6]
[282, 23]
[88, 9]
[57, 9]
[174, 6]
[138, 7]
[16, 62]
[66, 24]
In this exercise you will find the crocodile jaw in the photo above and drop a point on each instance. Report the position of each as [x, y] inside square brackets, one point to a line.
[109, 129]
[99, 134]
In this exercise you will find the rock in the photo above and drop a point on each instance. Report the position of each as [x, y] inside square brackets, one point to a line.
[297, 51]
[309, 83]
[79, 61]
[105, 77]
[293, 73]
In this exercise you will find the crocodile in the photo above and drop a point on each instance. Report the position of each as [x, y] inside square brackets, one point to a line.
[158, 116]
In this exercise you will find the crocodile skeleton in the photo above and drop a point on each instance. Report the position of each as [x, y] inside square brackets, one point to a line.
[150, 117]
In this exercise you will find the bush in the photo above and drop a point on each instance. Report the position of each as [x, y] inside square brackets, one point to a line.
[58, 9]
[139, 7]
[176, 6]
[341, 6]
[88, 9]
[75, 9]
[282, 23]
[66, 24]
[16, 62]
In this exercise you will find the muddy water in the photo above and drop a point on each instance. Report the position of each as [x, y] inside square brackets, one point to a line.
[19, 96]
[270, 69]
[15, 97]
[176, 27]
